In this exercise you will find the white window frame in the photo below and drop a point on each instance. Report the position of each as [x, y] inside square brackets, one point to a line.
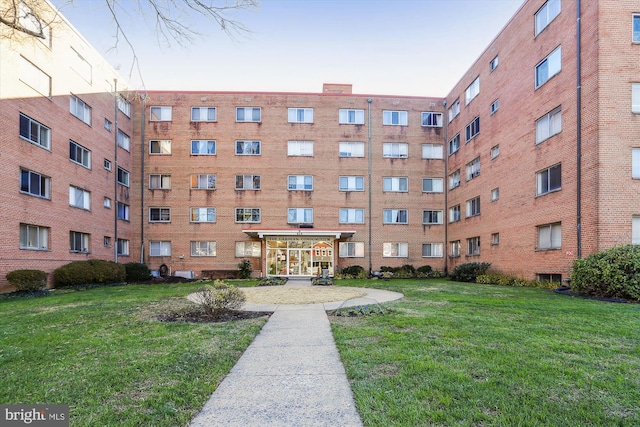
[34, 237]
[79, 198]
[432, 151]
[124, 211]
[160, 147]
[43, 189]
[548, 183]
[248, 249]
[435, 250]
[106, 203]
[203, 147]
[248, 182]
[635, 230]
[203, 248]
[454, 144]
[160, 113]
[454, 110]
[300, 148]
[473, 169]
[351, 149]
[210, 114]
[348, 116]
[549, 236]
[395, 216]
[495, 194]
[351, 249]
[123, 177]
[635, 163]
[159, 181]
[300, 115]
[202, 215]
[454, 246]
[454, 213]
[82, 155]
[108, 125]
[495, 151]
[300, 215]
[122, 246]
[79, 242]
[431, 119]
[159, 248]
[247, 215]
[395, 250]
[432, 185]
[472, 91]
[432, 216]
[473, 129]
[243, 117]
[395, 118]
[351, 216]
[635, 28]
[495, 238]
[248, 148]
[635, 97]
[159, 214]
[493, 108]
[395, 150]
[208, 179]
[351, 183]
[473, 207]
[549, 125]
[124, 106]
[395, 184]
[454, 180]
[124, 141]
[79, 109]
[35, 132]
[473, 246]
[493, 64]
[300, 182]
[548, 67]
[546, 14]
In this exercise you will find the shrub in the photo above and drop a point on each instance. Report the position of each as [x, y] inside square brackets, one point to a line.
[425, 269]
[387, 268]
[89, 272]
[613, 273]
[272, 281]
[220, 298]
[137, 272]
[244, 269]
[353, 271]
[321, 281]
[27, 280]
[468, 272]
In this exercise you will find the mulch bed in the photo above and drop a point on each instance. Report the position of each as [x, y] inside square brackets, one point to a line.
[202, 317]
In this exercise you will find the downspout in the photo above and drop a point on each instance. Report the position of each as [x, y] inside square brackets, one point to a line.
[446, 189]
[370, 188]
[578, 133]
[142, 183]
[115, 175]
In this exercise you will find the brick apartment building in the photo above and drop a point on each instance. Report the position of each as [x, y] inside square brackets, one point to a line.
[530, 162]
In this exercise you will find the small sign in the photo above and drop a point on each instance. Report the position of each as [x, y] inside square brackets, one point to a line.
[569, 253]
[35, 415]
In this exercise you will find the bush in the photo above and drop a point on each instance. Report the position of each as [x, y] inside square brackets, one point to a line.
[468, 272]
[220, 298]
[27, 280]
[272, 281]
[352, 270]
[613, 273]
[244, 269]
[137, 272]
[321, 281]
[425, 269]
[89, 272]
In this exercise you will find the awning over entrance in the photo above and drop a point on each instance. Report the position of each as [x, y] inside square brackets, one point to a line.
[310, 232]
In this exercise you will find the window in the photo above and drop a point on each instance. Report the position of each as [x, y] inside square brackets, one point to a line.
[549, 67]
[159, 215]
[635, 163]
[107, 124]
[473, 207]
[248, 249]
[395, 150]
[300, 115]
[454, 180]
[473, 129]
[454, 213]
[159, 248]
[495, 151]
[79, 198]
[495, 238]
[203, 182]
[202, 215]
[124, 106]
[159, 182]
[636, 29]
[432, 151]
[635, 98]
[203, 114]
[546, 277]
[351, 249]
[35, 184]
[123, 211]
[80, 109]
[396, 183]
[248, 114]
[352, 183]
[494, 107]
[34, 77]
[123, 140]
[351, 149]
[248, 148]
[160, 146]
[432, 217]
[454, 110]
[473, 168]
[247, 182]
[549, 236]
[455, 248]
[351, 216]
[398, 118]
[123, 177]
[430, 119]
[494, 64]
[395, 250]
[300, 148]
[80, 65]
[106, 241]
[80, 155]
[300, 182]
[454, 144]
[549, 180]
[395, 216]
[495, 194]
[472, 91]
[107, 164]
[203, 248]
[473, 246]
[122, 247]
[202, 147]
[546, 14]
[300, 216]
[432, 185]
[247, 214]
[78, 242]
[106, 203]
[351, 117]
[34, 237]
[160, 114]
[35, 132]
[432, 250]
[635, 230]
[548, 125]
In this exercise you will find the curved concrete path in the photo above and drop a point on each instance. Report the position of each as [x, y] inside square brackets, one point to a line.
[291, 375]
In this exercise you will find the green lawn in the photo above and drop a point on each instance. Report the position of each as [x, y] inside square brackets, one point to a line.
[103, 352]
[454, 354]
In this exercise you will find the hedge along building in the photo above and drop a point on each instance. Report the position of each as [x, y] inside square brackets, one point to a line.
[296, 182]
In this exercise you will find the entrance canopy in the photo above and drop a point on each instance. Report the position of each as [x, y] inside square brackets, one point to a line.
[309, 232]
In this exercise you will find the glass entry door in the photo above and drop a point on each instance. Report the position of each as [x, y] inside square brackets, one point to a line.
[288, 256]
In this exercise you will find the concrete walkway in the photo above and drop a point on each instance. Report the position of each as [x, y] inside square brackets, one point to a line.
[291, 375]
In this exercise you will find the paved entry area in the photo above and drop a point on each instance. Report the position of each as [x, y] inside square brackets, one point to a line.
[291, 375]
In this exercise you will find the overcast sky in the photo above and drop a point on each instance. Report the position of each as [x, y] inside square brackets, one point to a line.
[388, 47]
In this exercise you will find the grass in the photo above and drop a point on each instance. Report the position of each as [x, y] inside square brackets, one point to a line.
[454, 354]
[103, 352]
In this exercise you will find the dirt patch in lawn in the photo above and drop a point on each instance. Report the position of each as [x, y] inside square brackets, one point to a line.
[201, 316]
[306, 295]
